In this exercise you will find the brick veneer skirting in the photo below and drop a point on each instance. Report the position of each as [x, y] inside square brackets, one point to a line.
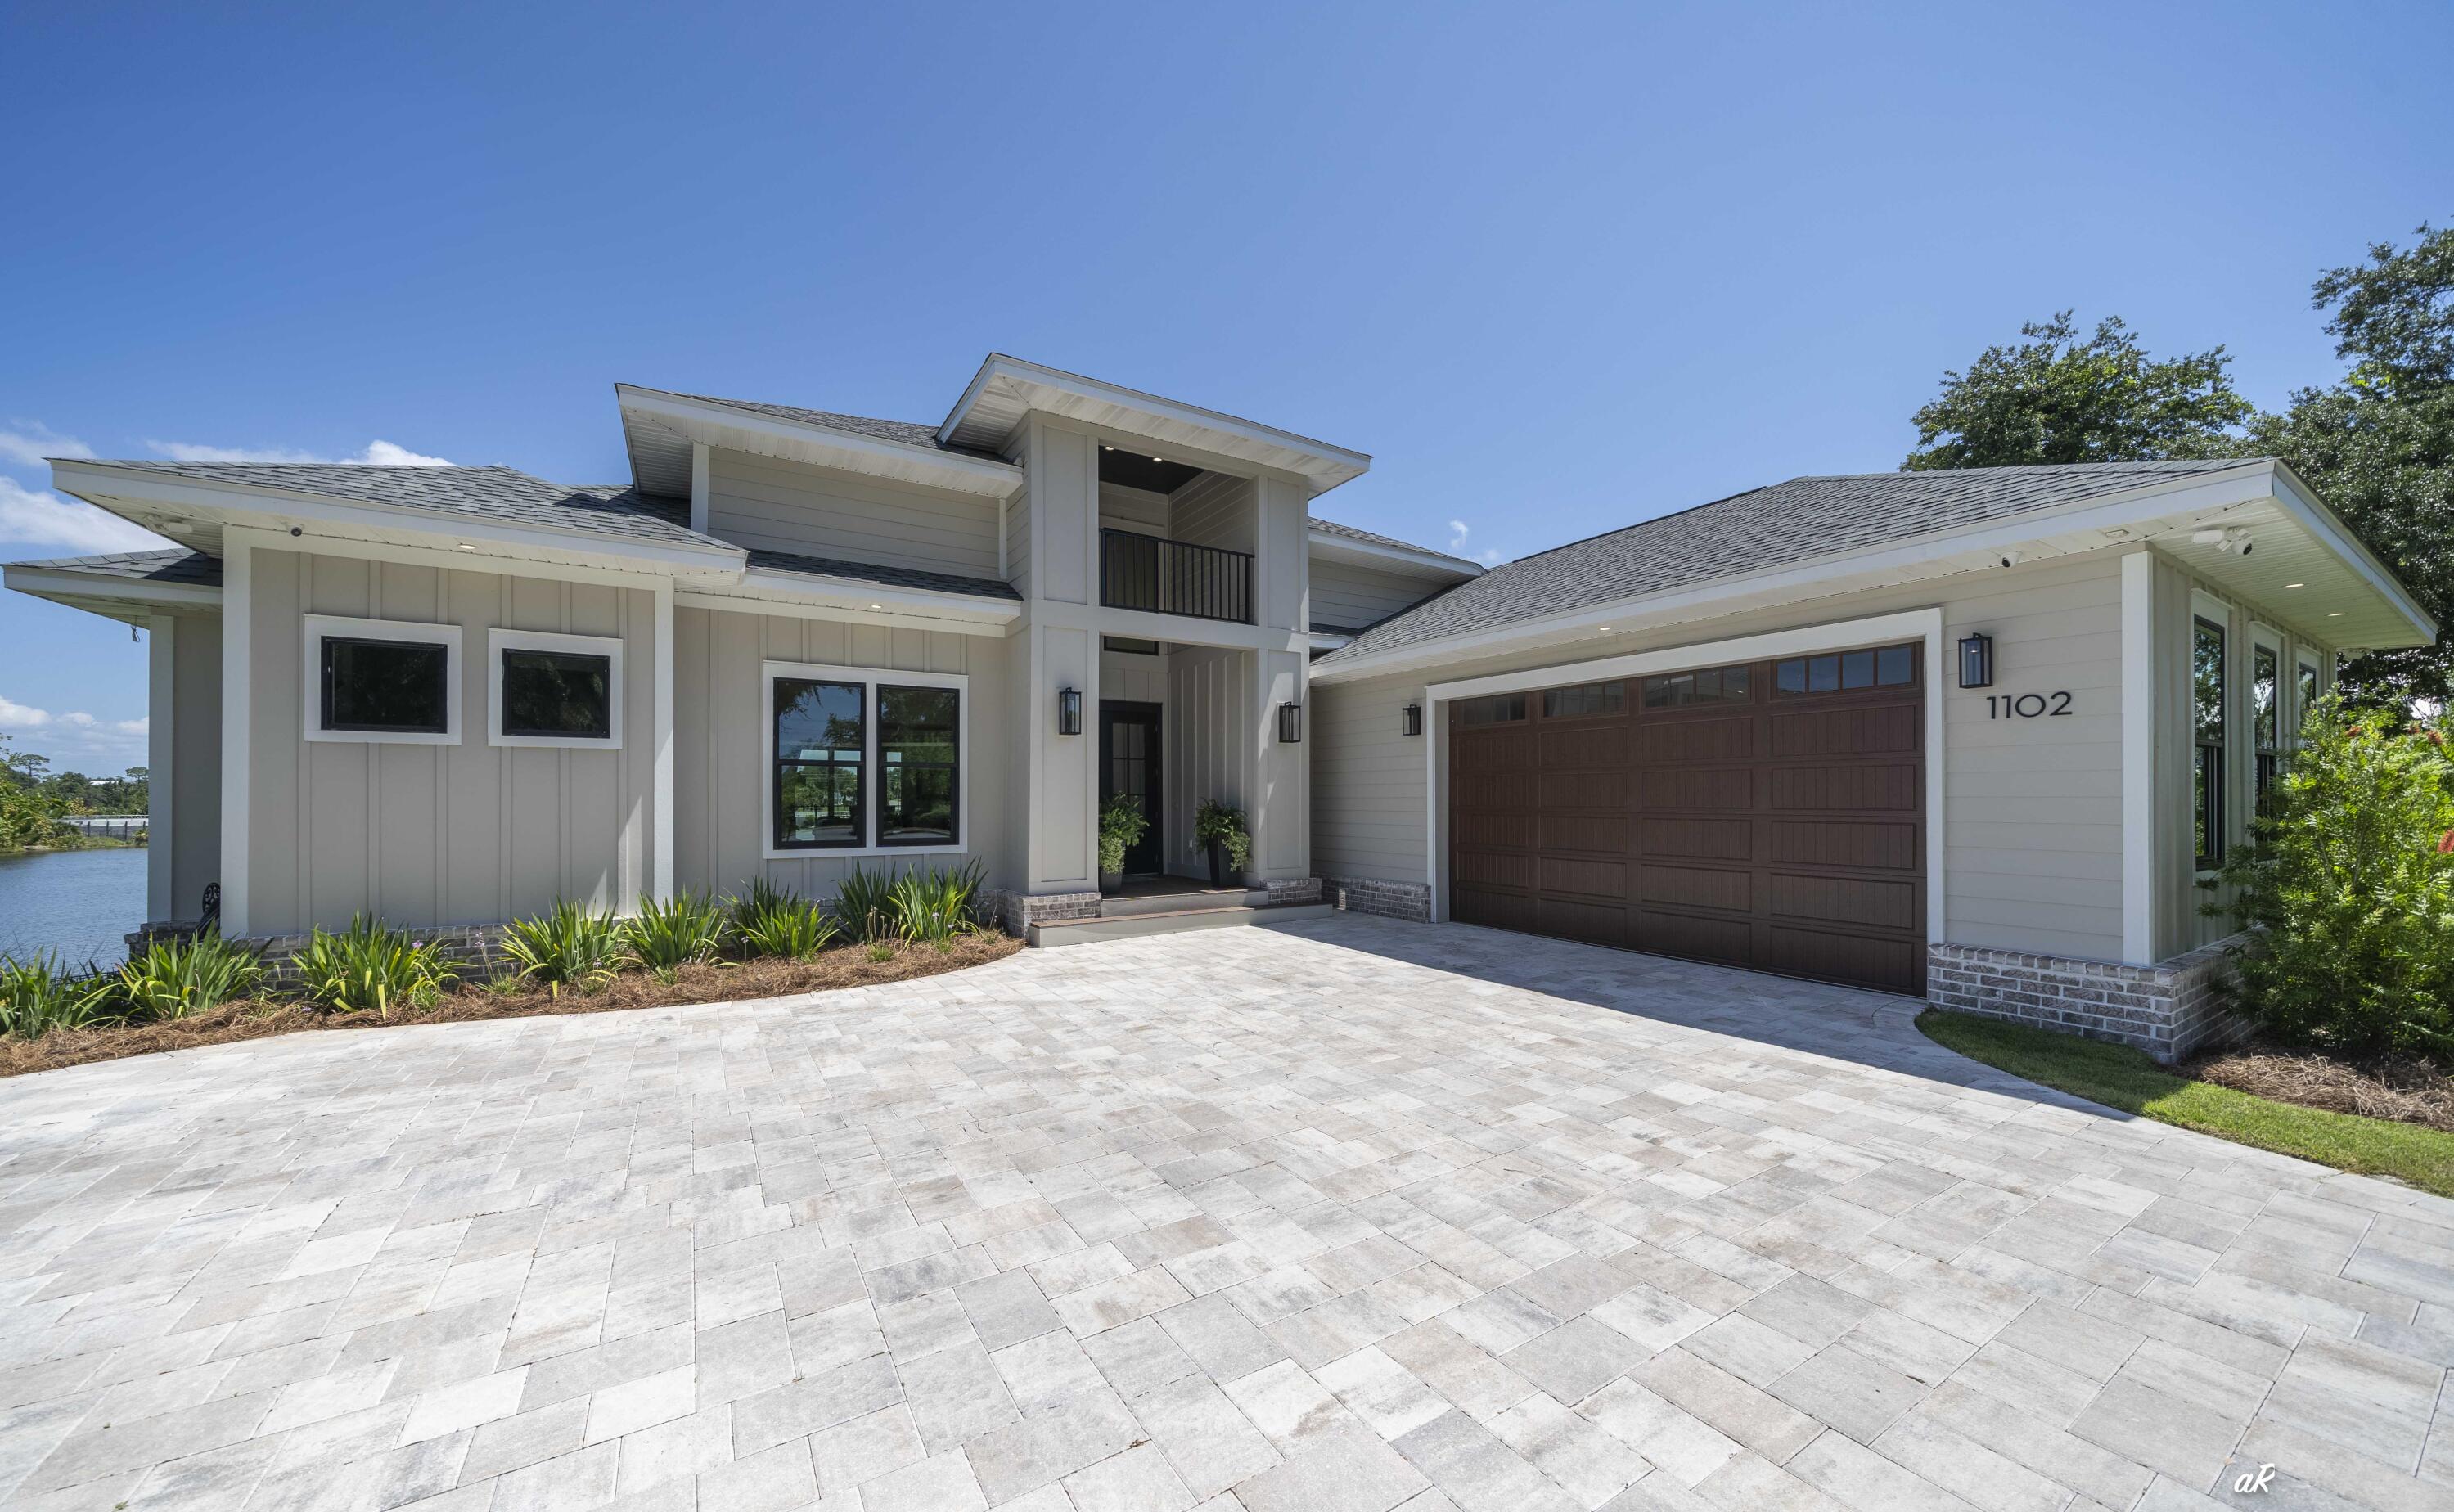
[474, 952]
[1017, 912]
[1362, 895]
[1293, 890]
[2171, 1010]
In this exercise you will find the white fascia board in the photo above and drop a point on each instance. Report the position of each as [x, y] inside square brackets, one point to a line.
[1323, 641]
[699, 420]
[50, 583]
[1068, 393]
[850, 598]
[243, 506]
[1370, 553]
[2302, 503]
[2124, 511]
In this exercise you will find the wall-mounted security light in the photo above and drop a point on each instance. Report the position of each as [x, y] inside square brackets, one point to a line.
[1977, 662]
[2233, 540]
[1290, 724]
[1068, 711]
[1410, 719]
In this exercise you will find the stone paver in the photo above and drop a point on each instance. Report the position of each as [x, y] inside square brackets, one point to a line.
[1346, 1215]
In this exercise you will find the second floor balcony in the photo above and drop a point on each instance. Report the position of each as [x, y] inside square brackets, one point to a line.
[1164, 577]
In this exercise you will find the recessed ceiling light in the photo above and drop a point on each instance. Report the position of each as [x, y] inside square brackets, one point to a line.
[878, 606]
[1107, 448]
[463, 546]
[2296, 585]
[1606, 627]
[1159, 459]
[2336, 615]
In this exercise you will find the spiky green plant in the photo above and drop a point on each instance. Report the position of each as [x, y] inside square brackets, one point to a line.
[753, 905]
[371, 966]
[932, 907]
[864, 904]
[175, 978]
[798, 929]
[39, 993]
[673, 932]
[567, 946]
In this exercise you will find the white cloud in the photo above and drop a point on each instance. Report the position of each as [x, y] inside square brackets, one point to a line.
[30, 441]
[70, 738]
[35, 518]
[1488, 557]
[377, 454]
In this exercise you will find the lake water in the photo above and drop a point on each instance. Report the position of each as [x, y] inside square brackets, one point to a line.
[75, 903]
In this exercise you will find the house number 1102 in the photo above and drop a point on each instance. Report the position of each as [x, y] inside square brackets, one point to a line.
[2028, 705]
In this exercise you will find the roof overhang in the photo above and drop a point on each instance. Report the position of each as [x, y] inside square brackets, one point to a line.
[130, 600]
[1007, 389]
[1329, 547]
[763, 590]
[195, 512]
[660, 429]
[2305, 568]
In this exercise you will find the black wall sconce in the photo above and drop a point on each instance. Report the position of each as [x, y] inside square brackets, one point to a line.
[1068, 711]
[1977, 662]
[1410, 719]
[1290, 724]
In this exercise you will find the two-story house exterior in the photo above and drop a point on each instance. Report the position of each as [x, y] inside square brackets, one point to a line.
[1983, 735]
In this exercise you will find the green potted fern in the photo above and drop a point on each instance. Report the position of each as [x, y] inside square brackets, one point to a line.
[1122, 824]
[1218, 828]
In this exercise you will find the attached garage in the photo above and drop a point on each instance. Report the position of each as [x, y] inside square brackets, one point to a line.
[1768, 814]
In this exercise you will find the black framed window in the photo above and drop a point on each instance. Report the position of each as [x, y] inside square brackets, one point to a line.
[2305, 679]
[2265, 714]
[919, 732]
[1591, 699]
[820, 752]
[386, 687]
[1847, 671]
[557, 694]
[2207, 761]
[1678, 690]
[1499, 708]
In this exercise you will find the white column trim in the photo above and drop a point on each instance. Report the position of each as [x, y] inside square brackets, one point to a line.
[698, 512]
[661, 876]
[237, 640]
[162, 698]
[2138, 650]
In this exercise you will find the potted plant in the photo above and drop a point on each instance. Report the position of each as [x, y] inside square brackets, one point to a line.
[1219, 828]
[1122, 824]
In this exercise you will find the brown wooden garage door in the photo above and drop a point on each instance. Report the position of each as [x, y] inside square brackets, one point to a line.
[1769, 815]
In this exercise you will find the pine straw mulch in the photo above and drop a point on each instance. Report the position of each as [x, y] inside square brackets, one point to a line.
[2406, 1090]
[721, 981]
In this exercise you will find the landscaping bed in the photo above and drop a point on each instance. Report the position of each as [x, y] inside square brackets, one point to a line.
[2407, 1090]
[848, 965]
[2415, 1152]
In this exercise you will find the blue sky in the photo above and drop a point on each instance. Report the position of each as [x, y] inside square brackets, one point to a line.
[1558, 268]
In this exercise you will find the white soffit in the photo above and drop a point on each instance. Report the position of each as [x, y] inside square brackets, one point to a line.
[659, 428]
[1006, 388]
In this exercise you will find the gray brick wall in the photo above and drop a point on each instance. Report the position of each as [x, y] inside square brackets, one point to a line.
[1293, 890]
[1358, 894]
[1017, 912]
[2171, 1010]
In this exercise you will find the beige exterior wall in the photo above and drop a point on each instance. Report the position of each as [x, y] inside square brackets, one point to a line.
[721, 776]
[2032, 830]
[425, 835]
[1352, 597]
[770, 504]
[183, 750]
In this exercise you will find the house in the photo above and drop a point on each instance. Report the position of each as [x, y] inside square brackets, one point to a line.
[1977, 736]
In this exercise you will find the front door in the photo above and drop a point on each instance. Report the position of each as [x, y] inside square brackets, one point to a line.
[1129, 763]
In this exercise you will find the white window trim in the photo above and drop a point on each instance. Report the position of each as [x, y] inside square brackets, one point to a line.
[1924, 624]
[610, 647]
[316, 627]
[868, 678]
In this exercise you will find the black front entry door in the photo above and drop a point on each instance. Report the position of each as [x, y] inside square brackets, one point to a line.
[1129, 763]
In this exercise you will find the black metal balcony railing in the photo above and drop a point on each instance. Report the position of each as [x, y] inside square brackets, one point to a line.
[1175, 578]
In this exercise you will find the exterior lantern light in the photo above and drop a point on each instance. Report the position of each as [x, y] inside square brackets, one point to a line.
[1068, 711]
[1410, 719]
[1290, 724]
[1977, 662]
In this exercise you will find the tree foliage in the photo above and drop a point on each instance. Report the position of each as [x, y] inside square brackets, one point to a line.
[2055, 398]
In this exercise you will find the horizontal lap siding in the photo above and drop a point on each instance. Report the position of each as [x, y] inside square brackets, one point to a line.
[772, 505]
[1367, 783]
[1354, 596]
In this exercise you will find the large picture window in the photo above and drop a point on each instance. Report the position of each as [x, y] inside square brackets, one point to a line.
[555, 690]
[381, 681]
[918, 748]
[864, 763]
[2207, 720]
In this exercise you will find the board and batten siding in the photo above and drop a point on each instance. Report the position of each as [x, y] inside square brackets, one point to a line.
[195, 775]
[720, 762]
[1352, 597]
[2032, 822]
[438, 835]
[770, 504]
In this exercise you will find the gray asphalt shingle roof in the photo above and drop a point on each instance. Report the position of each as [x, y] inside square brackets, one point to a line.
[176, 565]
[910, 432]
[1333, 528]
[478, 492]
[1776, 526]
[884, 576]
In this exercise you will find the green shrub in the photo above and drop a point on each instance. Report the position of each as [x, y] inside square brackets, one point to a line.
[675, 931]
[932, 907]
[789, 926]
[2347, 888]
[758, 902]
[1223, 823]
[864, 904]
[175, 979]
[370, 965]
[1122, 824]
[567, 947]
[39, 993]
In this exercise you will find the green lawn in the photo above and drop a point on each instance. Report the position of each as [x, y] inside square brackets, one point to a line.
[2122, 1077]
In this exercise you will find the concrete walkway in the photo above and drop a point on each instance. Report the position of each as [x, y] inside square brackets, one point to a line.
[1351, 1214]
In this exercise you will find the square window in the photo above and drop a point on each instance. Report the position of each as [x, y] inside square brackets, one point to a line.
[386, 687]
[1895, 666]
[557, 694]
[1858, 668]
[1823, 674]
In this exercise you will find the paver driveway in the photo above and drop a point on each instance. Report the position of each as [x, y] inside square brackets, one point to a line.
[1314, 1219]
